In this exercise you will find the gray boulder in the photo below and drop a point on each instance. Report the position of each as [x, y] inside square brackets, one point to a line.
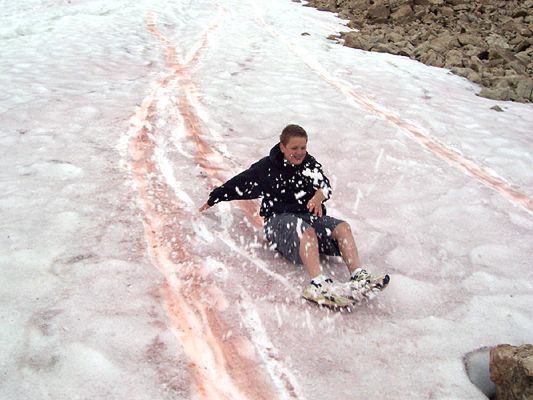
[379, 13]
[403, 14]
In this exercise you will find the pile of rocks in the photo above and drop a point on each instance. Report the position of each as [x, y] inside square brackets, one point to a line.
[489, 42]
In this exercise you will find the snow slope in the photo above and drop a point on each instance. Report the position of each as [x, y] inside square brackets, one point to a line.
[116, 120]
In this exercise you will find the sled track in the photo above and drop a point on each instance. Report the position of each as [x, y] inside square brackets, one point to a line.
[194, 302]
[447, 154]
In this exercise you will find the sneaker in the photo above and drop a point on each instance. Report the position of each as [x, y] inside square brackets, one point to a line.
[363, 282]
[325, 294]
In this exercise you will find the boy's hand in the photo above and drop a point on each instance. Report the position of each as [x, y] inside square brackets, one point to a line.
[204, 207]
[315, 204]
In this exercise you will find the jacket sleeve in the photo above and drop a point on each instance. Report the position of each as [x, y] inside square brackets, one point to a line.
[320, 180]
[244, 186]
[324, 183]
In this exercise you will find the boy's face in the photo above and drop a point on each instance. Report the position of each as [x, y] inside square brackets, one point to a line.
[295, 150]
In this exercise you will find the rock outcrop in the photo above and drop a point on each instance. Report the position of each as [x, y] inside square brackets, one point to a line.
[511, 369]
[489, 42]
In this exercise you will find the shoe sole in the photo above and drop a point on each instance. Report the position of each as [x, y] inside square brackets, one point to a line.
[330, 303]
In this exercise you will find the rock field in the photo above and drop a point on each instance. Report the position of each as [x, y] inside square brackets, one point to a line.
[489, 42]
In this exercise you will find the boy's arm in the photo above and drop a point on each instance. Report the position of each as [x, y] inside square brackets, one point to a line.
[324, 185]
[323, 192]
[244, 186]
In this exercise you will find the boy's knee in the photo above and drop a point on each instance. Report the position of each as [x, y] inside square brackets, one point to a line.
[342, 230]
[344, 226]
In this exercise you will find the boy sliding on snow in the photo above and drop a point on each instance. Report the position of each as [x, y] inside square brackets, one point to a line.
[293, 187]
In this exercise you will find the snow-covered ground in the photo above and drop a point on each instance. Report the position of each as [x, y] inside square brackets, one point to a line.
[116, 120]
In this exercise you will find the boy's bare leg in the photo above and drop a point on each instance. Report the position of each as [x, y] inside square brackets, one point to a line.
[344, 237]
[321, 292]
[309, 253]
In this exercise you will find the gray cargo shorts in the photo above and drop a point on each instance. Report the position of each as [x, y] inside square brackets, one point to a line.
[283, 231]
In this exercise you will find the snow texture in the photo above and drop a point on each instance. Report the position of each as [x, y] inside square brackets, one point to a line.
[116, 120]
